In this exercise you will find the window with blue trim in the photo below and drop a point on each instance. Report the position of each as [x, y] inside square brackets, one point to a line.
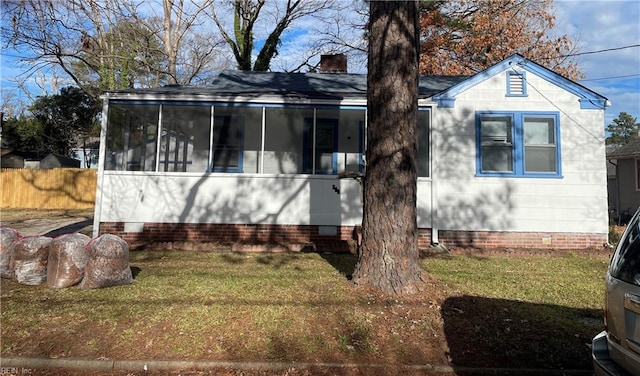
[518, 144]
[516, 84]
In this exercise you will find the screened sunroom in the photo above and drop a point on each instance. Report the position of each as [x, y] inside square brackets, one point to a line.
[255, 153]
[205, 137]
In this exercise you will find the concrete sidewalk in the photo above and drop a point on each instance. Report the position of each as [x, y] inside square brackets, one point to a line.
[9, 363]
[52, 227]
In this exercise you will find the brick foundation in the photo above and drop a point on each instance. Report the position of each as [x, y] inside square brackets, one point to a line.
[526, 240]
[301, 237]
[262, 236]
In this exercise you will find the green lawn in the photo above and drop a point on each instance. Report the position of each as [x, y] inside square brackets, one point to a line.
[301, 307]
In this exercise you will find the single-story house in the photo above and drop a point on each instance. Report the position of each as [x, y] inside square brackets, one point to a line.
[624, 190]
[513, 156]
[36, 160]
[57, 161]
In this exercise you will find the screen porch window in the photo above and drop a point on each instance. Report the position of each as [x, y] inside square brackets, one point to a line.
[184, 138]
[131, 140]
[227, 144]
[320, 146]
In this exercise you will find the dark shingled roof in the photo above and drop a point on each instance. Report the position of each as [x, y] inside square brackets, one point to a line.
[629, 150]
[335, 86]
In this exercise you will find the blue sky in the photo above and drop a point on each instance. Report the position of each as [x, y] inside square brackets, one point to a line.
[600, 26]
[596, 25]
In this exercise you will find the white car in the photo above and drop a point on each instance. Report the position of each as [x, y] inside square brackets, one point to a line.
[616, 350]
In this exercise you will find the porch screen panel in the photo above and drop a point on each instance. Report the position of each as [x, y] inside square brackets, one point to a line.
[283, 150]
[539, 144]
[496, 133]
[350, 139]
[131, 137]
[423, 142]
[228, 139]
[320, 146]
[249, 121]
[184, 143]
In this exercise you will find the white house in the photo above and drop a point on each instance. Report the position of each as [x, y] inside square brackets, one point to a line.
[513, 156]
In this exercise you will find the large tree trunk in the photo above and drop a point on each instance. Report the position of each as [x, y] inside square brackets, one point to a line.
[389, 259]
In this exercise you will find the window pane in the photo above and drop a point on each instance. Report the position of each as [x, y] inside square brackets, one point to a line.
[347, 139]
[227, 142]
[496, 130]
[497, 159]
[131, 137]
[539, 159]
[539, 144]
[625, 264]
[284, 143]
[496, 133]
[539, 131]
[325, 146]
[423, 143]
[184, 143]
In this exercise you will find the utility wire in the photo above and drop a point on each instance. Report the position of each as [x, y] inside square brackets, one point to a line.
[604, 50]
[610, 78]
[590, 52]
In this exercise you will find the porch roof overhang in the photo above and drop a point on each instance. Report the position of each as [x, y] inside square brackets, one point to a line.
[276, 87]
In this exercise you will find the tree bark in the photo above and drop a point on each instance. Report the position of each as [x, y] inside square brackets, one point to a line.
[389, 258]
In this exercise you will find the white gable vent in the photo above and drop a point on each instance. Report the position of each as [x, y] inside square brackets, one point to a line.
[516, 84]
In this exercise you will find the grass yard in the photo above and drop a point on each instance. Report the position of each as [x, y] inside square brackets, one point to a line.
[481, 311]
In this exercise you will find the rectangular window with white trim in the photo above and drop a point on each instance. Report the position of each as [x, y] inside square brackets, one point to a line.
[520, 144]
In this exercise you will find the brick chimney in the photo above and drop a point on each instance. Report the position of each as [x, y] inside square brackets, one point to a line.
[333, 63]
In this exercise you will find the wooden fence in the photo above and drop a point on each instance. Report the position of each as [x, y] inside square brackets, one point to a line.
[58, 188]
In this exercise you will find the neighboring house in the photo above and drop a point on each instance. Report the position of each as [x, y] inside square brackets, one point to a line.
[513, 156]
[57, 161]
[18, 159]
[87, 152]
[9, 159]
[624, 189]
[35, 160]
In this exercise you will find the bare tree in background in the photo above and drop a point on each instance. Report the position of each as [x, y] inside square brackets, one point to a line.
[110, 44]
[189, 47]
[247, 14]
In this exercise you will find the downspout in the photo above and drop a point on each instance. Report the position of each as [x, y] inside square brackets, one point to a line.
[263, 138]
[434, 189]
[617, 203]
[97, 211]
